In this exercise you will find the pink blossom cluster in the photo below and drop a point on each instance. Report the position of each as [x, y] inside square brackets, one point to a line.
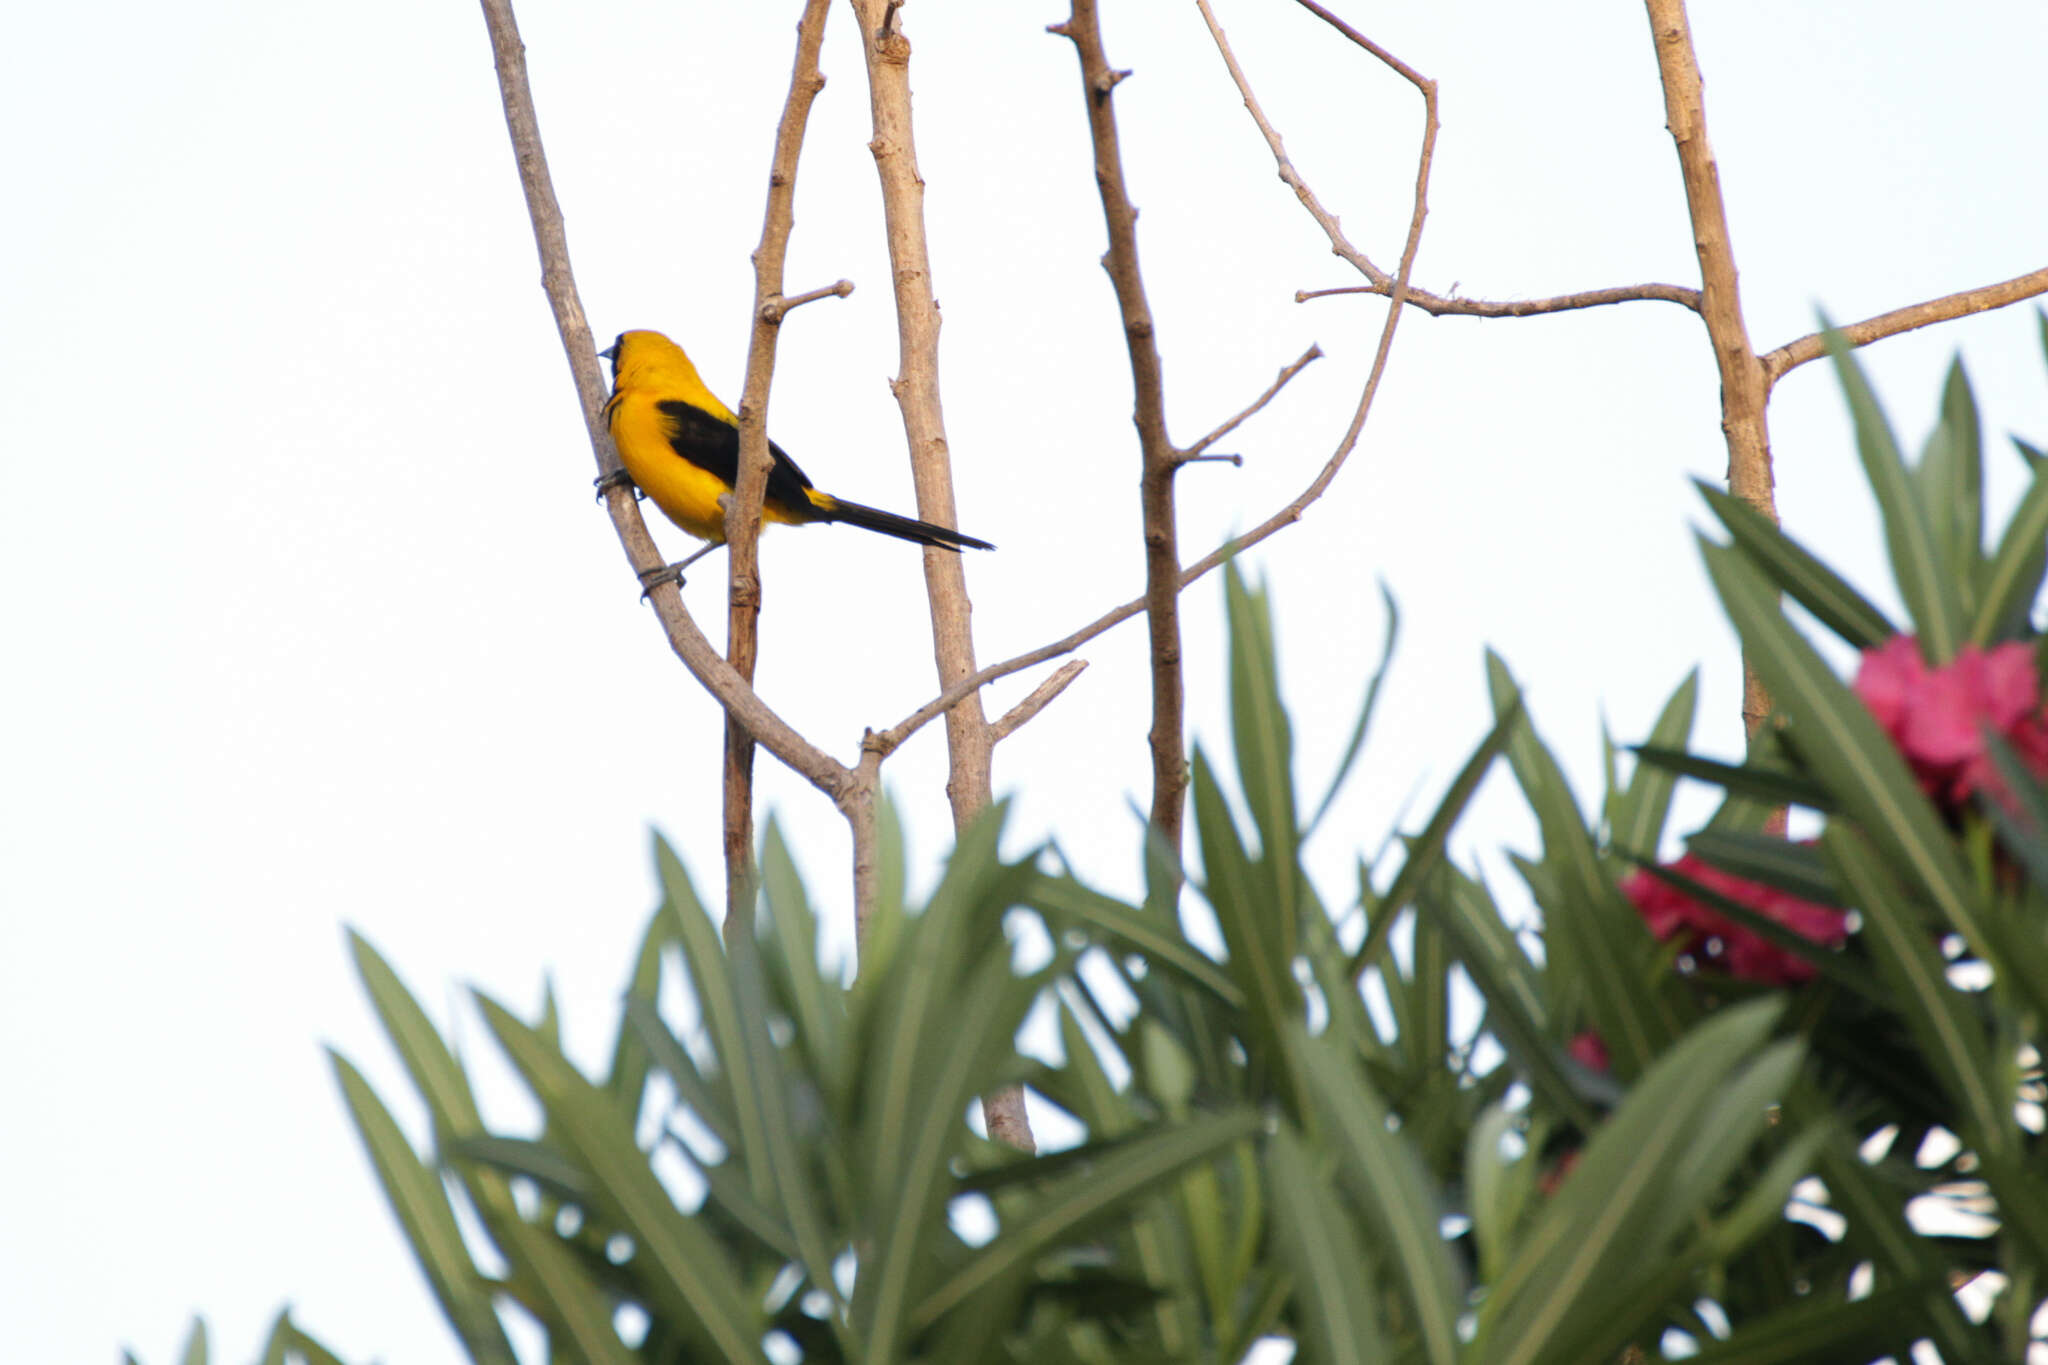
[1714, 940]
[1937, 716]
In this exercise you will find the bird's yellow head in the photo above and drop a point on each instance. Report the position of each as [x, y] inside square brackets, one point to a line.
[650, 361]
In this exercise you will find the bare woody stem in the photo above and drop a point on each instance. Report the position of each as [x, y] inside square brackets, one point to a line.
[1744, 387]
[970, 742]
[887, 740]
[1793, 354]
[887, 54]
[1442, 305]
[696, 652]
[1159, 461]
[1197, 450]
[743, 510]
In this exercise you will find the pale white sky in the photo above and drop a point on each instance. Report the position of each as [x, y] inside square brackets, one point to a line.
[312, 620]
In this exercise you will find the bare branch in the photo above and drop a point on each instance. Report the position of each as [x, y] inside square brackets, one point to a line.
[775, 310]
[886, 52]
[1980, 300]
[557, 279]
[743, 509]
[1194, 452]
[1158, 460]
[1379, 281]
[717, 676]
[1327, 221]
[1292, 512]
[1441, 305]
[1745, 392]
[1018, 715]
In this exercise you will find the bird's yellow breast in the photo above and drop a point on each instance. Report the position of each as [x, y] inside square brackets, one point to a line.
[690, 496]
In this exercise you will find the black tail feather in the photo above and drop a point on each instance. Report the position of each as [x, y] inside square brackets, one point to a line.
[889, 524]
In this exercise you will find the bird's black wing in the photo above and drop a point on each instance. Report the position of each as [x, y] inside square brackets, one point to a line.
[713, 444]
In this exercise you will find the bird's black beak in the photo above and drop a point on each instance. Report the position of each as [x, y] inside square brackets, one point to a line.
[610, 353]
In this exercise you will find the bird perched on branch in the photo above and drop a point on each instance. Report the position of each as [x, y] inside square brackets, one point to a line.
[682, 447]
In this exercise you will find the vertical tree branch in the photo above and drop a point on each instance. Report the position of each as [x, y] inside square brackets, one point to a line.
[558, 281]
[743, 512]
[732, 692]
[886, 52]
[1159, 461]
[1744, 385]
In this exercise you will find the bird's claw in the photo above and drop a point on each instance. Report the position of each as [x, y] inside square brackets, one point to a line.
[618, 478]
[654, 578]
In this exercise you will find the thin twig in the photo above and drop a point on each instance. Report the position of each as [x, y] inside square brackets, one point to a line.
[1158, 460]
[1194, 452]
[1008, 723]
[895, 735]
[1442, 305]
[775, 310]
[704, 662]
[1327, 221]
[743, 511]
[1980, 300]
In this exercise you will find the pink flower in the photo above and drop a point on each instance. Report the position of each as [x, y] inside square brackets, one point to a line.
[1589, 1050]
[1716, 941]
[1936, 716]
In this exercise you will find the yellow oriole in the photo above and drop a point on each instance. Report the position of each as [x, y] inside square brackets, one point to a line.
[682, 447]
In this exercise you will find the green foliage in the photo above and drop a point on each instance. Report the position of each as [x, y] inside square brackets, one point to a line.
[1376, 1131]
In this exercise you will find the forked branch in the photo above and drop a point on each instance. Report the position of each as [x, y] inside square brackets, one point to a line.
[1158, 460]
[718, 677]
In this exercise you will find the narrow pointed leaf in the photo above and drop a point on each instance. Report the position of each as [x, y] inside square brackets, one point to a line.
[667, 1053]
[1584, 913]
[536, 1161]
[1836, 967]
[1263, 740]
[688, 1273]
[1426, 851]
[1789, 866]
[1827, 1332]
[1768, 786]
[429, 1063]
[2023, 816]
[794, 1192]
[1064, 901]
[1924, 582]
[1119, 1176]
[1365, 714]
[719, 1010]
[789, 954]
[2013, 575]
[1389, 1185]
[1611, 1224]
[1959, 440]
[1789, 565]
[1940, 1020]
[627, 1079]
[1516, 1010]
[1261, 956]
[1333, 1282]
[420, 1202]
[1845, 748]
[1636, 815]
[985, 1018]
